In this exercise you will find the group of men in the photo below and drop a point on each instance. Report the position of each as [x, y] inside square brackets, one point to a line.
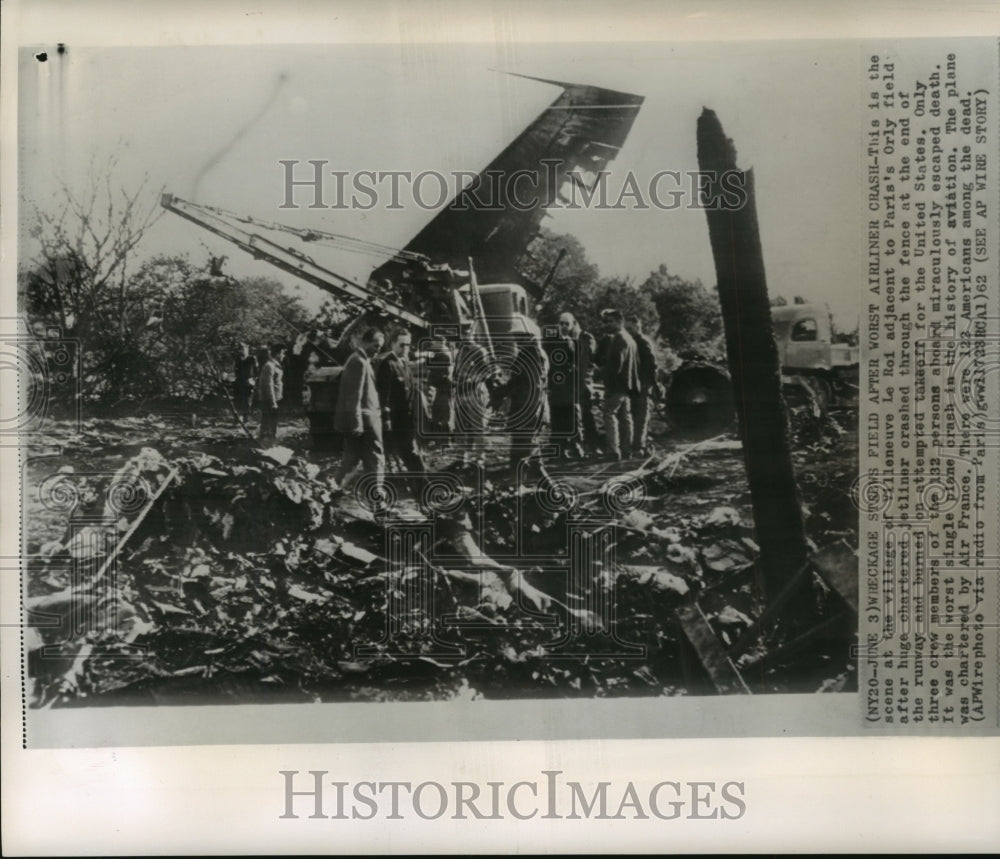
[382, 410]
[260, 379]
[376, 409]
[624, 361]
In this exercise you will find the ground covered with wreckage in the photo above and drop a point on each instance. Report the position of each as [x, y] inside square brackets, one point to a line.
[170, 561]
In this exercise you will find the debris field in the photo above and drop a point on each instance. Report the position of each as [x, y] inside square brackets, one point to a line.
[170, 561]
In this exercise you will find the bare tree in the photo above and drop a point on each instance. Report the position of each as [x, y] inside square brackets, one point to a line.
[80, 279]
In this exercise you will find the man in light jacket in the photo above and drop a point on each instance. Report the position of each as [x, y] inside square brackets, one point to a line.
[270, 390]
[358, 415]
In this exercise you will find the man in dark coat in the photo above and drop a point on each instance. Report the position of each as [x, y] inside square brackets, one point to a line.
[472, 370]
[648, 386]
[528, 404]
[440, 369]
[245, 371]
[564, 394]
[397, 394]
[585, 350]
[620, 372]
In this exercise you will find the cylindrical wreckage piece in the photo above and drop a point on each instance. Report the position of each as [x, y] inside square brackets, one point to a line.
[699, 400]
[752, 357]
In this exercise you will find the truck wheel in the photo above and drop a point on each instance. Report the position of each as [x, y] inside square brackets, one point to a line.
[699, 401]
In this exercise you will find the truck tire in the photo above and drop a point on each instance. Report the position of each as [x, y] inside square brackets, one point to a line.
[699, 401]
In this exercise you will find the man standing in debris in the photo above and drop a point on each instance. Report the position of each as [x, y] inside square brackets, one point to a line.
[564, 392]
[472, 369]
[648, 386]
[528, 411]
[440, 366]
[270, 389]
[397, 395]
[358, 415]
[245, 371]
[585, 349]
[620, 372]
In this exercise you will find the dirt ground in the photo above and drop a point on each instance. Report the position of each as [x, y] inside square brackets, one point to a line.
[250, 579]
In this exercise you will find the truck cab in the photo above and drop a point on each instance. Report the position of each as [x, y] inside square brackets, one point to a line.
[811, 363]
[506, 308]
[804, 336]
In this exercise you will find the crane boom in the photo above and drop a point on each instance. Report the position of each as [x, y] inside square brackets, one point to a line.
[291, 261]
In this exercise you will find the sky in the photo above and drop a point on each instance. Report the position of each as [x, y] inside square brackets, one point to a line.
[211, 124]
